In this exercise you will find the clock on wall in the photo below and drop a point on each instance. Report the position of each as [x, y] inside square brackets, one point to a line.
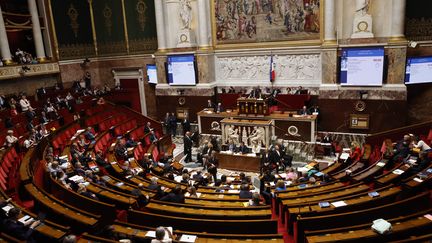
[362, 26]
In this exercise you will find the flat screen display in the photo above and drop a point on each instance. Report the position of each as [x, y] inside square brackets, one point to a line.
[418, 70]
[152, 73]
[362, 66]
[181, 70]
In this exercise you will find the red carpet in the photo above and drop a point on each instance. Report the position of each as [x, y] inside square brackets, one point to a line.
[282, 228]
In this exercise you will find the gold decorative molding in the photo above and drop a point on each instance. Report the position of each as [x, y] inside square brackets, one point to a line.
[143, 45]
[141, 9]
[107, 13]
[73, 16]
[53, 30]
[90, 2]
[125, 26]
[74, 51]
[34, 70]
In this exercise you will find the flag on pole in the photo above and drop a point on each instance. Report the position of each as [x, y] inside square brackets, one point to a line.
[272, 70]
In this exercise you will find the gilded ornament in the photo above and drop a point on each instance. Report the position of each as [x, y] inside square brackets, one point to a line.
[73, 16]
[141, 9]
[107, 13]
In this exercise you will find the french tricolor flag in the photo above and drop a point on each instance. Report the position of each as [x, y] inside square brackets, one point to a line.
[272, 70]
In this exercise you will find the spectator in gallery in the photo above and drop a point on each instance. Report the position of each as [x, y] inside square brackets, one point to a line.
[13, 111]
[304, 111]
[43, 119]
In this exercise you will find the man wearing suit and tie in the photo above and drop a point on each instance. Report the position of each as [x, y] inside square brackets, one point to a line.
[242, 148]
[188, 146]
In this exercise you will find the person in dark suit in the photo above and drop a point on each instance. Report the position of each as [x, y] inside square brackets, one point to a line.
[314, 110]
[188, 146]
[142, 199]
[219, 108]
[242, 148]
[89, 134]
[304, 111]
[175, 196]
[18, 229]
[147, 128]
[212, 165]
[173, 124]
[210, 104]
[244, 192]
[276, 155]
[186, 125]
[153, 137]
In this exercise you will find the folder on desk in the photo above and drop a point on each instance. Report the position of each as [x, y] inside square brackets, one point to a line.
[373, 194]
[188, 238]
[324, 204]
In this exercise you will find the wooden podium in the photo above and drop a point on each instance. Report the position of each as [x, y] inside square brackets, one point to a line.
[252, 107]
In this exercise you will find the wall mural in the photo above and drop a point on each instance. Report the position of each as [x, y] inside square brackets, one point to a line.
[240, 21]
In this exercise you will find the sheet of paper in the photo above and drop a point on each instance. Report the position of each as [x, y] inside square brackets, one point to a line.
[339, 204]
[151, 234]
[188, 238]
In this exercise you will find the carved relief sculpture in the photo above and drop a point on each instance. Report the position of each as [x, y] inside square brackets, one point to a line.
[362, 25]
[186, 14]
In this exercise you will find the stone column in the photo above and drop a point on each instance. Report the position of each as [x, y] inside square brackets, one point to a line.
[4, 43]
[37, 33]
[398, 18]
[329, 21]
[202, 24]
[160, 24]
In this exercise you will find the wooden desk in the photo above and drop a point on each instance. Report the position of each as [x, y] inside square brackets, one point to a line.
[239, 162]
[306, 125]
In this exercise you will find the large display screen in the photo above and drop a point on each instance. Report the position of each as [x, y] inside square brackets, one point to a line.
[152, 73]
[181, 70]
[418, 70]
[362, 66]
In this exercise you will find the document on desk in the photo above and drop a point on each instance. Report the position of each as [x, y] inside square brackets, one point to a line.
[188, 238]
[151, 234]
[339, 204]
[398, 172]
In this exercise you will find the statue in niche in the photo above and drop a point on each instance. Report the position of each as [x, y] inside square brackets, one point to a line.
[186, 14]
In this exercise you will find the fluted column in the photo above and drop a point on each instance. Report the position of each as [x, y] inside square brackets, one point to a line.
[329, 21]
[160, 24]
[398, 20]
[4, 43]
[37, 33]
[203, 40]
